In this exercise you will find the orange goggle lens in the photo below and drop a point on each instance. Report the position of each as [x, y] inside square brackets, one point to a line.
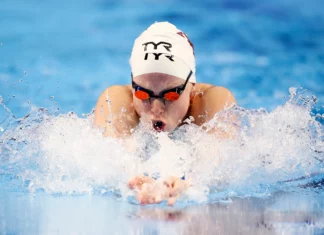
[172, 96]
[142, 95]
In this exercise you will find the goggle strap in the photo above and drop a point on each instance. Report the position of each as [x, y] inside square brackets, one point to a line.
[189, 75]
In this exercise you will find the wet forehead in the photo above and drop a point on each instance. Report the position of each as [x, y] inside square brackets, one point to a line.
[158, 81]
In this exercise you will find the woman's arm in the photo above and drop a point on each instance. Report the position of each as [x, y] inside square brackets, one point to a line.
[114, 113]
[206, 102]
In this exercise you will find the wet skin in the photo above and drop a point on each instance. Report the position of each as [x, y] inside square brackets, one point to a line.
[118, 111]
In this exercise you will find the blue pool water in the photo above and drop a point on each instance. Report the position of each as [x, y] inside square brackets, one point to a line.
[58, 175]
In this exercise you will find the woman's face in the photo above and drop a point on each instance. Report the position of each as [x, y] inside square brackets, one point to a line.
[163, 116]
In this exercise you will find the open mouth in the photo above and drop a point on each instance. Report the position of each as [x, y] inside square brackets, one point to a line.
[158, 125]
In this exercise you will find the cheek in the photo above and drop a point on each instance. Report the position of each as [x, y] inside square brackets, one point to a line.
[179, 108]
[139, 105]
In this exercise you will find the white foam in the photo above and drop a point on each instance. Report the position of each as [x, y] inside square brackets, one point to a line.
[66, 154]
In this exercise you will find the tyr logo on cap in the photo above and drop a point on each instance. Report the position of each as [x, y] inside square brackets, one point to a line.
[157, 56]
[167, 45]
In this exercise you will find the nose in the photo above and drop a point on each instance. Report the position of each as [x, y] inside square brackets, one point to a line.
[157, 106]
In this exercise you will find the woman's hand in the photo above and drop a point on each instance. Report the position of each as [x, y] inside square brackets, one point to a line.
[149, 191]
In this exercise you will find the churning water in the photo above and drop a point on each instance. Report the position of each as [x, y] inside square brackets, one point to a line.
[58, 175]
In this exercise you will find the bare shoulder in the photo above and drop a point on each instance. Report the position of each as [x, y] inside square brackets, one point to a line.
[208, 92]
[116, 89]
[117, 93]
[201, 88]
[114, 105]
[208, 99]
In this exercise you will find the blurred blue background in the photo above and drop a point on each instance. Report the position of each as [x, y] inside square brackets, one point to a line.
[63, 54]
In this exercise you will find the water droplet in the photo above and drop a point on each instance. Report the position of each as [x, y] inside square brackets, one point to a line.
[20, 80]
[293, 91]
[1, 129]
[123, 110]
[72, 107]
[25, 72]
[103, 191]
[28, 102]
[1, 44]
[52, 97]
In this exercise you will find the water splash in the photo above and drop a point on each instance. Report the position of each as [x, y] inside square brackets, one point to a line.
[65, 154]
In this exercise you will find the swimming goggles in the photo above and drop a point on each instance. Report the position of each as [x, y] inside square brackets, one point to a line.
[170, 94]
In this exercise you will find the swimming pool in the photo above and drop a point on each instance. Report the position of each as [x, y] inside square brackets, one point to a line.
[59, 176]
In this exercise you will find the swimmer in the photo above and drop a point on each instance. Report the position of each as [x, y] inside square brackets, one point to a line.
[163, 93]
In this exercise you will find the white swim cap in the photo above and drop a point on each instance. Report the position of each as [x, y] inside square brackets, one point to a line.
[163, 48]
